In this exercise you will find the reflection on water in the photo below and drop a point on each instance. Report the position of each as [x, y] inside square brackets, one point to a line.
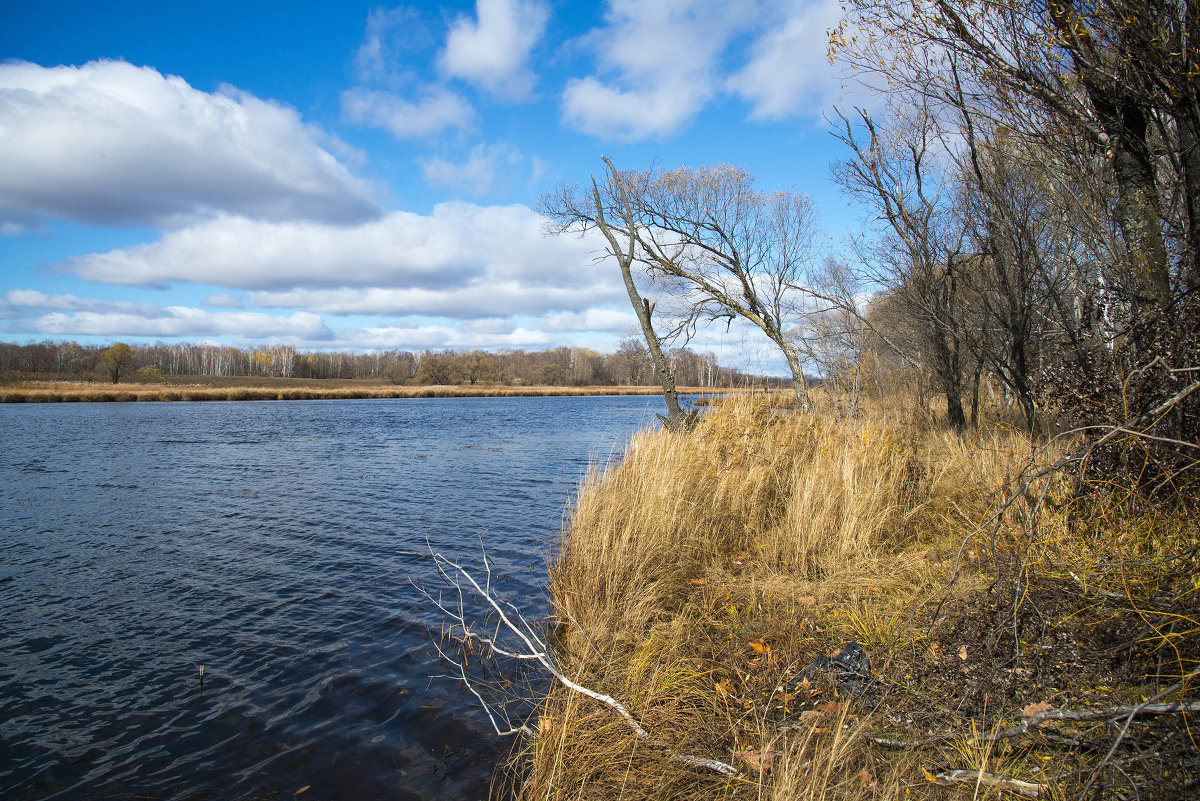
[271, 544]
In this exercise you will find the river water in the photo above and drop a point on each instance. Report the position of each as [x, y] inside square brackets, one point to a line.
[276, 545]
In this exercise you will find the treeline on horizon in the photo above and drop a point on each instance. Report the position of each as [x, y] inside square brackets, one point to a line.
[630, 365]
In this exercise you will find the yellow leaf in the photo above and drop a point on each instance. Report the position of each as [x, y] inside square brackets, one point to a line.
[760, 646]
[302, 789]
[929, 776]
[962, 653]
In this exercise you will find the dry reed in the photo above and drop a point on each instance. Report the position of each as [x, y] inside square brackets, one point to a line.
[702, 572]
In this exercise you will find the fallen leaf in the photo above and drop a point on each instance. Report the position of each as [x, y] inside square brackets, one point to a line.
[809, 715]
[864, 778]
[962, 653]
[757, 760]
[1034, 709]
[831, 708]
[806, 600]
[760, 646]
[699, 582]
[724, 688]
[302, 789]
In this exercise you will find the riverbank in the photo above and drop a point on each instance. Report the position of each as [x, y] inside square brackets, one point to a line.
[724, 587]
[195, 388]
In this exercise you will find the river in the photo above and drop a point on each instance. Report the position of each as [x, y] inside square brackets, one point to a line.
[276, 545]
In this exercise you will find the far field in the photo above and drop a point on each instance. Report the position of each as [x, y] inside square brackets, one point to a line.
[228, 388]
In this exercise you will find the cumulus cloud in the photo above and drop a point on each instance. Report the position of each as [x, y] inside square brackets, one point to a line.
[491, 50]
[109, 143]
[788, 72]
[177, 321]
[607, 320]
[659, 62]
[436, 110]
[480, 297]
[457, 243]
[478, 174]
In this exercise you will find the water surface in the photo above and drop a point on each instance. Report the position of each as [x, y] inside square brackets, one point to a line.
[275, 545]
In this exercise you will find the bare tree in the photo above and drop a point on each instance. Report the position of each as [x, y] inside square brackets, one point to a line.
[723, 250]
[613, 214]
[718, 248]
[918, 257]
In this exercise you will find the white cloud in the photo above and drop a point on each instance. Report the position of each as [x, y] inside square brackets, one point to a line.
[437, 110]
[788, 71]
[109, 143]
[224, 300]
[457, 244]
[662, 56]
[390, 34]
[486, 296]
[179, 321]
[15, 301]
[477, 175]
[607, 320]
[491, 51]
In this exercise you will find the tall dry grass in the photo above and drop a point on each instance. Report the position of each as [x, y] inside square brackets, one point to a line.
[700, 572]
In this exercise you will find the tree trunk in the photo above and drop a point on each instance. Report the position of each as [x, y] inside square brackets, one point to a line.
[799, 382]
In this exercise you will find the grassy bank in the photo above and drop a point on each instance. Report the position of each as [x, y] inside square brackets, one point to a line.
[263, 389]
[701, 575]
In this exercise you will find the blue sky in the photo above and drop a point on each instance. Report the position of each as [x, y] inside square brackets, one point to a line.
[341, 176]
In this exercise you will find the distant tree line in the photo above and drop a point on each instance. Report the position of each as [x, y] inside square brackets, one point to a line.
[630, 365]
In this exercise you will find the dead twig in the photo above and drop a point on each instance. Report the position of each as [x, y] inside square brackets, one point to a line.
[514, 637]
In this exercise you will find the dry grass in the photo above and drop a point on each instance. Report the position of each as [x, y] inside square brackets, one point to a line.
[702, 573]
[260, 389]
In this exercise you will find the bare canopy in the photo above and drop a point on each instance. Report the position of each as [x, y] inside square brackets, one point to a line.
[719, 248]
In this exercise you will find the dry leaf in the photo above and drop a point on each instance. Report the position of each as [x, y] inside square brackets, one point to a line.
[809, 715]
[831, 708]
[1034, 709]
[302, 789]
[756, 759]
[760, 646]
[699, 582]
[864, 778]
[724, 688]
[962, 653]
[806, 600]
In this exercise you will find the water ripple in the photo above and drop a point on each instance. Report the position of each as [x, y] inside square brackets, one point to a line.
[274, 545]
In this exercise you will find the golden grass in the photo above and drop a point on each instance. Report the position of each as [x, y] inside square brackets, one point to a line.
[251, 389]
[702, 572]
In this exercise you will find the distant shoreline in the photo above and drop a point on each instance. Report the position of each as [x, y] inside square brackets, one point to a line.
[296, 389]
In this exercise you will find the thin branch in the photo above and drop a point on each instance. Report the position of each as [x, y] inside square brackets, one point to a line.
[529, 648]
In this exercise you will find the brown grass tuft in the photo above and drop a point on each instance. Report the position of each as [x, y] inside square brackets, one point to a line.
[699, 576]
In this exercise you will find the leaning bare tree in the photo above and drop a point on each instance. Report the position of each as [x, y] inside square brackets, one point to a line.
[725, 250]
[719, 248]
[610, 211]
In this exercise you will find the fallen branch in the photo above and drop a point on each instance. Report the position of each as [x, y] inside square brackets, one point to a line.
[1031, 723]
[983, 779]
[515, 638]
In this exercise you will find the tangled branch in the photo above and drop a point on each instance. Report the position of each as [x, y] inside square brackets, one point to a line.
[508, 634]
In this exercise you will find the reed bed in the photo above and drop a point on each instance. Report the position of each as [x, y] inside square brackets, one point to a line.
[702, 573]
